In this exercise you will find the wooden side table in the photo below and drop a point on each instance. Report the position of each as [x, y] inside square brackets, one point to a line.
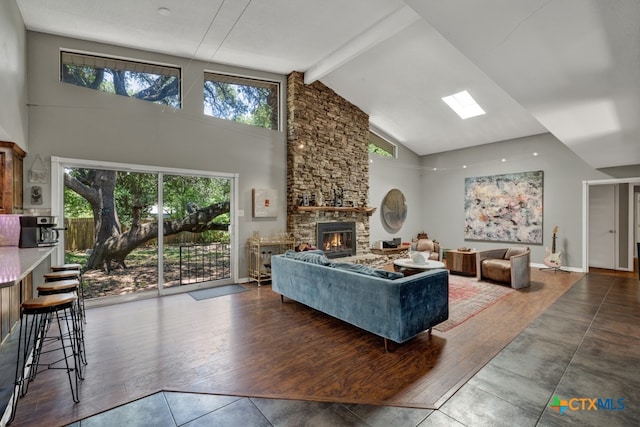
[461, 262]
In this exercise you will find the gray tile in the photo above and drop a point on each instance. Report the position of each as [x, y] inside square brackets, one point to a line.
[335, 415]
[548, 328]
[533, 359]
[438, 419]
[282, 412]
[618, 319]
[574, 310]
[383, 416]
[526, 393]
[475, 407]
[531, 344]
[151, 410]
[605, 349]
[186, 407]
[242, 412]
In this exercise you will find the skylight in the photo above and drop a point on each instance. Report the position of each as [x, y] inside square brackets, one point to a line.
[463, 104]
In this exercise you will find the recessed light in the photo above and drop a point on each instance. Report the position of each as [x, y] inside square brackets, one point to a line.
[464, 166]
[164, 11]
[503, 160]
[535, 154]
[464, 105]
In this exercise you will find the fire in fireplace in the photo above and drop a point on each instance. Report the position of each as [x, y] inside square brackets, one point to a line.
[337, 239]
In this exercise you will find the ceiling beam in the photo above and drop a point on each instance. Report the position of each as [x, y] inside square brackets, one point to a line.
[385, 28]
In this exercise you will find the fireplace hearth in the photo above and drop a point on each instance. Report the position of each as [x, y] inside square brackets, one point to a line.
[337, 239]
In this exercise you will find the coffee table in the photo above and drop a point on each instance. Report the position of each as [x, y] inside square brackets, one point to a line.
[408, 263]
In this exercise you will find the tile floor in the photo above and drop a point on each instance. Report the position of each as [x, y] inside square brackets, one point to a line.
[586, 345]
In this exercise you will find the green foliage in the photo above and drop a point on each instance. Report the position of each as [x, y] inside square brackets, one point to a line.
[159, 89]
[135, 191]
[179, 191]
[138, 191]
[377, 150]
[76, 206]
[241, 103]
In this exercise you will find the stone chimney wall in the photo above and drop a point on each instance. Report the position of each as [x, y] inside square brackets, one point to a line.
[327, 149]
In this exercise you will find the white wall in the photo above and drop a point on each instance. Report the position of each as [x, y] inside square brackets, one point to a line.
[443, 191]
[403, 173]
[74, 122]
[13, 78]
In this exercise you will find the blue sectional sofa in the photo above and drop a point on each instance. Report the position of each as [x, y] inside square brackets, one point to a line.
[384, 303]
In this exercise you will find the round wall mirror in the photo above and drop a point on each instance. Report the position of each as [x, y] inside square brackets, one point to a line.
[394, 209]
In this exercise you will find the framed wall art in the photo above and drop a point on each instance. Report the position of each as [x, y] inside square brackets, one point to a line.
[265, 203]
[504, 208]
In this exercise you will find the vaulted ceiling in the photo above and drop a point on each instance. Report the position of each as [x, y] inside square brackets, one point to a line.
[568, 67]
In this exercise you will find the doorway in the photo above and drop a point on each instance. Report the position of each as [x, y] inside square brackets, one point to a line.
[603, 214]
[145, 231]
[611, 219]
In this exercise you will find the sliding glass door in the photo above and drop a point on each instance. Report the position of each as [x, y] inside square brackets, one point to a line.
[196, 249]
[139, 230]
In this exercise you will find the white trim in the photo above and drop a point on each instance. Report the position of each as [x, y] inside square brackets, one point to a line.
[57, 206]
[585, 213]
[79, 163]
[159, 239]
[233, 227]
[630, 228]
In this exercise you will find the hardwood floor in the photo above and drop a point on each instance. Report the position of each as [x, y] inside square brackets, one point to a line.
[251, 344]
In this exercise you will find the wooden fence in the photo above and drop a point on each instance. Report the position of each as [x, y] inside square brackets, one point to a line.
[80, 235]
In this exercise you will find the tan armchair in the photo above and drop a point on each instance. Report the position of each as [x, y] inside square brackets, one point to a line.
[505, 265]
[422, 245]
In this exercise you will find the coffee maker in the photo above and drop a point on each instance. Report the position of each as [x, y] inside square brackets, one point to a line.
[36, 231]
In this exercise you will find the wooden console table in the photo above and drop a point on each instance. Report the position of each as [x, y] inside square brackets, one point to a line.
[461, 262]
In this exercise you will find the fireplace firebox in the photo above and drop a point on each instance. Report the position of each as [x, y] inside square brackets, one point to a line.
[337, 239]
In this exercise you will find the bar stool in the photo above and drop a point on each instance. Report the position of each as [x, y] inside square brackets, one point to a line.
[77, 267]
[69, 286]
[36, 316]
[74, 272]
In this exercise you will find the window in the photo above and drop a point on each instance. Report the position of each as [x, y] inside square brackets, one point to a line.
[155, 83]
[251, 101]
[381, 146]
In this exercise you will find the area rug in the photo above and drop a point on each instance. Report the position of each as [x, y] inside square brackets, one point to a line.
[468, 297]
[217, 291]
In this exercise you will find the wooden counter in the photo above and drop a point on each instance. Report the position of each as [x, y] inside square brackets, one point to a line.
[16, 284]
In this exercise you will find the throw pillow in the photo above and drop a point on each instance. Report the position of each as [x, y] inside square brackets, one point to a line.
[313, 257]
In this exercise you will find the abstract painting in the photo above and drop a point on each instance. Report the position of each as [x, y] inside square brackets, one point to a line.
[504, 208]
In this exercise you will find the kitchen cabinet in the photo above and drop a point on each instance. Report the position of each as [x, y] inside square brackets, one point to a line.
[11, 167]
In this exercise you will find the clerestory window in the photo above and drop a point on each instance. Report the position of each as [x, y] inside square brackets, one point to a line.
[150, 82]
[379, 145]
[240, 99]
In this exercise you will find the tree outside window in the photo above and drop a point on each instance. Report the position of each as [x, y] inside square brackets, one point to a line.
[159, 84]
[243, 100]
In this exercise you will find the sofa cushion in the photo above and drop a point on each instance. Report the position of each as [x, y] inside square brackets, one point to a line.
[314, 257]
[515, 250]
[367, 271]
[497, 269]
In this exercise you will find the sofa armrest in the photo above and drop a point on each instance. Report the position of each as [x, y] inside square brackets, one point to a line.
[520, 270]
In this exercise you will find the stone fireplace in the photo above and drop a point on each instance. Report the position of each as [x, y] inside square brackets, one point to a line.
[327, 154]
[337, 239]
